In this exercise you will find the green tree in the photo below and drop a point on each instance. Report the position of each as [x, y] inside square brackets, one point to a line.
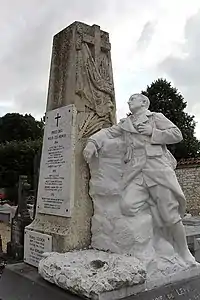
[166, 99]
[16, 158]
[14, 126]
[20, 140]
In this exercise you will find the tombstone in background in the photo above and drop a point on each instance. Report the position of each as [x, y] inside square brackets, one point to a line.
[36, 168]
[1, 247]
[192, 228]
[15, 248]
[80, 102]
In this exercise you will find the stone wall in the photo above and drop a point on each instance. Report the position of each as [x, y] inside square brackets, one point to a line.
[189, 178]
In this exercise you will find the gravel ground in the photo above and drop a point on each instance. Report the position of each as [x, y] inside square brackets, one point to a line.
[5, 234]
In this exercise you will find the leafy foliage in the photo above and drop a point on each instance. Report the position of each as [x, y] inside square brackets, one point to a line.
[166, 99]
[14, 126]
[16, 158]
[20, 140]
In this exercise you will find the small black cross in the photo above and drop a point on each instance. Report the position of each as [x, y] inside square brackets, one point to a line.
[57, 118]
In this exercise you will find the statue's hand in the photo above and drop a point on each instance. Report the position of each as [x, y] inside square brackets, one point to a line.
[89, 151]
[145, 129]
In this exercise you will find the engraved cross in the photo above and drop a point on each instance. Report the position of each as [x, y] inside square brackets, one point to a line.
[97, 42]
[57, 119]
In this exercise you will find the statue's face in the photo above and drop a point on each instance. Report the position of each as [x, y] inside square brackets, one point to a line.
[135, 103]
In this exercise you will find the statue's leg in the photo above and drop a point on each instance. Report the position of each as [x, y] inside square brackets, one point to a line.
[136, 225]
[135, 199]
[179, 236]
[168, 209]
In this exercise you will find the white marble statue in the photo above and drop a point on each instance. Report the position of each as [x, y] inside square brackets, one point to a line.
[147, 214]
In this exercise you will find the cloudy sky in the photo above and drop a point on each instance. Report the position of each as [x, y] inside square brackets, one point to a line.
[150, 39]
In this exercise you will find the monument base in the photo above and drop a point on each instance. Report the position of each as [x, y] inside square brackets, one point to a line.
[22, 282]
[94, 274]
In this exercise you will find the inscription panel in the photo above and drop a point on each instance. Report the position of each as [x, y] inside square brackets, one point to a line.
[35, 244]
[184, 290]
[56, 181]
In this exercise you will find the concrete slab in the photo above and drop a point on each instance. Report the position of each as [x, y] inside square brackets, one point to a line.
[22, 282]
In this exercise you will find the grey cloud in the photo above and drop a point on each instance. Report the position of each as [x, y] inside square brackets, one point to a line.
[127, 7]
[31, 100]
[25, 55]
[185, 71]
[146, 35]
[27, 30]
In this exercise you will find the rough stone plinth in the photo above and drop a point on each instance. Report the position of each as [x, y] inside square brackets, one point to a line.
[93, 274]
[100, 275]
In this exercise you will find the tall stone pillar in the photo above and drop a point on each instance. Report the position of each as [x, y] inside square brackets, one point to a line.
[80, 74]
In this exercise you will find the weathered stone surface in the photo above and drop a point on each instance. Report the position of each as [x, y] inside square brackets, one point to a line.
[91, 273]
[81, 74]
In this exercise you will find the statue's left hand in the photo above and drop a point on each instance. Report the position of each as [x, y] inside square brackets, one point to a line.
[145, 129]
[89, 151]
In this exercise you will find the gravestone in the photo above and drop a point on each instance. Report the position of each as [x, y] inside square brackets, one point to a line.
[1, 247]
[197, 249]
[192, 228]
[36, 167]
[15, 248]
[80, 80]
[35, 245]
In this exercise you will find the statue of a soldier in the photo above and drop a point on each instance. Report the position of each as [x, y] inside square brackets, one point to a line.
[149, 177]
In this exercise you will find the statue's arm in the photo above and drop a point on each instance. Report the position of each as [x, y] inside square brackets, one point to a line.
[164, 131]
[111, 132]
[95, 142]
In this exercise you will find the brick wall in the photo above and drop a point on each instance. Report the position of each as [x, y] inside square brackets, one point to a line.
[189, 179]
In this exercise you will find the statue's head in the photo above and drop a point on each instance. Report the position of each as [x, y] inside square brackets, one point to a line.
[137, 102]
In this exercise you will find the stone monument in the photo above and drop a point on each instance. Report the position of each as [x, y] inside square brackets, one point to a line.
[81, 101]
[132, 226]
